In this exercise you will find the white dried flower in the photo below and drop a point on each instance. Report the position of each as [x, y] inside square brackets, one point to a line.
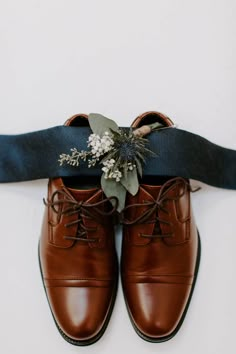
[105, 169]
[109, 163]
[131, 166]
[100, 145]
[115, 175]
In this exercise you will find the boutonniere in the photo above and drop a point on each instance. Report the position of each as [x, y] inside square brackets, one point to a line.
[120, 152]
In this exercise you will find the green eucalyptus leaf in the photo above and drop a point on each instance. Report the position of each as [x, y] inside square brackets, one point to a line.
[100, 124]
[156, 126]
[112, 188]
[131, 183]
[140, 156]
[139, 167]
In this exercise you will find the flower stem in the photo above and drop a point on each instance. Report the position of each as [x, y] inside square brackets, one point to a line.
[147, 129]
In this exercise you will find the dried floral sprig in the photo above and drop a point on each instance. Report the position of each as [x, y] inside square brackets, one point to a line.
[99, 146]
[74, 158]
[121, 153]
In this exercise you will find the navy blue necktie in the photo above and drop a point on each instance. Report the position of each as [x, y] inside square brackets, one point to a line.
[178, 153]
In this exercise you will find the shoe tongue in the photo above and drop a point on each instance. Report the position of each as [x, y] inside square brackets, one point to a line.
[152, 190]
[82, 194]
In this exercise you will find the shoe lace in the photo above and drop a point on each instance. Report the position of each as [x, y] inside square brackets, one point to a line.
[90, 211]
[159, 204]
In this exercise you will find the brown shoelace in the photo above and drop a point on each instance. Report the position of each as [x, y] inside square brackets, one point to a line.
[83, 209]
[152, 207]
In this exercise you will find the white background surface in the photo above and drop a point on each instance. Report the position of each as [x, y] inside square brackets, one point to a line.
[119, 58]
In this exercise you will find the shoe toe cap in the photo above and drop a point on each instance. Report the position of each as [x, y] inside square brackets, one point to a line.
[80, 312]
[156, 309]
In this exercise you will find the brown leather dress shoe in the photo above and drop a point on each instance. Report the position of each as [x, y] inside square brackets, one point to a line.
[160, 252]
[77, 256]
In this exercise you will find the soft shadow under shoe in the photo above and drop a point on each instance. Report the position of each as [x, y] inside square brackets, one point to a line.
[160, 251]
[77, 256]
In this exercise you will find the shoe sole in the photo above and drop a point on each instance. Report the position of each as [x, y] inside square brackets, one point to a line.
[101, 332]
[172, 334]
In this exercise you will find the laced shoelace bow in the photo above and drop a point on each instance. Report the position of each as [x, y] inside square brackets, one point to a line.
[152, 207]
[84, 210]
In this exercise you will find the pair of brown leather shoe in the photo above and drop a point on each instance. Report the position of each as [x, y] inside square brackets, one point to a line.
[160, 253]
